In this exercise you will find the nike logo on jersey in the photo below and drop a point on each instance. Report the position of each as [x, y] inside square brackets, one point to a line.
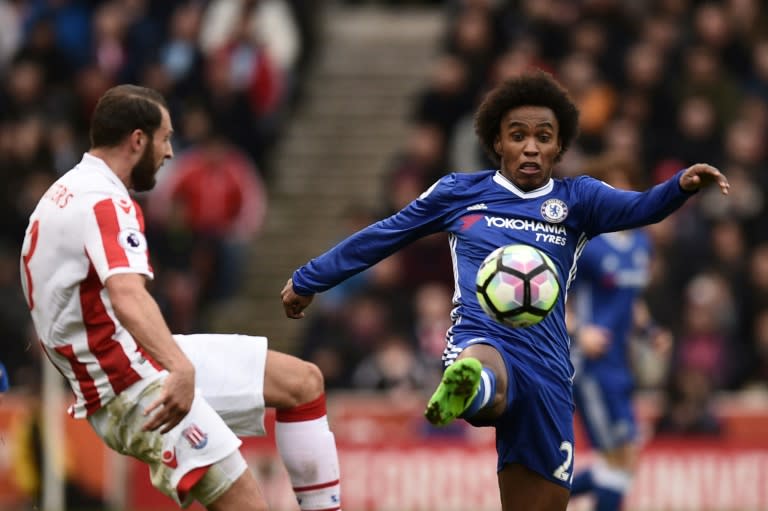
[477, 206]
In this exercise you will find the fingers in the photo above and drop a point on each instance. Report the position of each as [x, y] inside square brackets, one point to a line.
[725, 186]
[293, 309]
[702, 174]
[159, 418]
[167, 417]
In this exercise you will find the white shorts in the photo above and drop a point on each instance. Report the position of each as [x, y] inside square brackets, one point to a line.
[229, 401]
[229, 370]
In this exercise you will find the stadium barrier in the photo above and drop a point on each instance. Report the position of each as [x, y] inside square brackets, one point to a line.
[392, 460]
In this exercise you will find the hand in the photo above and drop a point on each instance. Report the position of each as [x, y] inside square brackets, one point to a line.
[294, 304]
[593, 340]
[175, 398]
[700, 175]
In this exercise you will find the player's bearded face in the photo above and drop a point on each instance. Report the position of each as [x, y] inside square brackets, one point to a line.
[528, 146]
[143, 173]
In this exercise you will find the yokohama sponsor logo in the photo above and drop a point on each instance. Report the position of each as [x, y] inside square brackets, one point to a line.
[519, 224]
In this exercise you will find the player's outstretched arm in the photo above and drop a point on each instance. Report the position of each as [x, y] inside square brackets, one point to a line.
[701, 175]
[139, 314]
[294, 304]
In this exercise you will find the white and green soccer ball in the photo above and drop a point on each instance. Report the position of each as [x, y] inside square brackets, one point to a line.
[517, 285]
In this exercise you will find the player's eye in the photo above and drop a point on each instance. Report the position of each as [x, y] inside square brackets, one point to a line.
[545, 137]
[518, 136]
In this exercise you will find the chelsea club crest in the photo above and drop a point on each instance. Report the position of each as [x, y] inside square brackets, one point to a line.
[554, 210]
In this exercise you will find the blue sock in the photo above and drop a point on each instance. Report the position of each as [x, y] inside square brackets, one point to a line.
[610, 486]
[582, 483]
[484, 394]
[608, 499]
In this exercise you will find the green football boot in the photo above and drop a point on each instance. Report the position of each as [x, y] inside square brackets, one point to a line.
[459, 385]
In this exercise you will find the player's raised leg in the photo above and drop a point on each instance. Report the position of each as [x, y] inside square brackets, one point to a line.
[306, 444]
[474, 386]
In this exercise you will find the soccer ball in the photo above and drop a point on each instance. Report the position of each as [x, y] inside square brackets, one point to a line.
[517, 285]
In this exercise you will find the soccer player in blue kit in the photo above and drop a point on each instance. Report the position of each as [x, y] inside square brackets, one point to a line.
[515, 379]
[604, 309]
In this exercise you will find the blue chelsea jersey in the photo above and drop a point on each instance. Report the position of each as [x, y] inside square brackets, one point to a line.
[482, 211]
[613, 271]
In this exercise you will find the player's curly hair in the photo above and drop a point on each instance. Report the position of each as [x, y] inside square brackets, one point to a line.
[537, 88]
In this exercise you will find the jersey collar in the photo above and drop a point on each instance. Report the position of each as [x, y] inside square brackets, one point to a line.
[509, 185]
[99, 165]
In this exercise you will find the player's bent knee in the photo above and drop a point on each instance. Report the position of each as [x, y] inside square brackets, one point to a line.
[312, 384]
[228, 486]
[290, 382]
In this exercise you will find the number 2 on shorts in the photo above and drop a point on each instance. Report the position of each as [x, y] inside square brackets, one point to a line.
[563, 471]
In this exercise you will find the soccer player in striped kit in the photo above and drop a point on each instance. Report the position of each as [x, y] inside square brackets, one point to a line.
[174, 402]
[517, 380]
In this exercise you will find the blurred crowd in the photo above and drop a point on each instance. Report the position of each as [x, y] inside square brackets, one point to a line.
[661, 84]
[232, 72]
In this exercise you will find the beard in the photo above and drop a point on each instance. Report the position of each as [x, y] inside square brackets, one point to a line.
[144, 172]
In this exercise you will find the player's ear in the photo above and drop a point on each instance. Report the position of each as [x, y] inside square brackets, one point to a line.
[137, 137]
[497, 146]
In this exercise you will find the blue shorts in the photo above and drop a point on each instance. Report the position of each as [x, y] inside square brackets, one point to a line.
[536, 429]
[606, 411]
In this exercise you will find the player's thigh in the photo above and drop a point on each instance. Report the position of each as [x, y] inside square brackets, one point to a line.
[243, 495]
[290, 381]
[521, 488]
[229, 371]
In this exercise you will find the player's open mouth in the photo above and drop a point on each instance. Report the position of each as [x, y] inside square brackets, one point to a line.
[530, 168]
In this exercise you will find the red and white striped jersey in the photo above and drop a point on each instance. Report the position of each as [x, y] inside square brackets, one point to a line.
[84, 229]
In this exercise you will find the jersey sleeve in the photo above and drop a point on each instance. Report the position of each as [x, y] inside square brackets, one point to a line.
[609, 209]
[423, 216]
[114, 238]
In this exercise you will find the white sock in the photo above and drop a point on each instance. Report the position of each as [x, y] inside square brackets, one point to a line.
[308, 450]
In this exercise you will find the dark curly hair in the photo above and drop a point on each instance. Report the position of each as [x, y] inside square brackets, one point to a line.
[537, 88]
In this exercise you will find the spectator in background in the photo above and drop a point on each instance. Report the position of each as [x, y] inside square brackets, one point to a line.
[757, 373]
[393, 366]
[706, 344]
[338, 343]
[212, 196]
[10, 31]
[20, 353]
[446, 98]
[254, 44]
[688, 407]
[180, 55]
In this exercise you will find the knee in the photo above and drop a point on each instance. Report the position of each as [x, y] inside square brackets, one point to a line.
[309, 384]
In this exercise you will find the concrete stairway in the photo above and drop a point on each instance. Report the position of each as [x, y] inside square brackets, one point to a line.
[352, 119]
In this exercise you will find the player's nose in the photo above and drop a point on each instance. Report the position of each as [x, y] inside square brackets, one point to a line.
[530, 146]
